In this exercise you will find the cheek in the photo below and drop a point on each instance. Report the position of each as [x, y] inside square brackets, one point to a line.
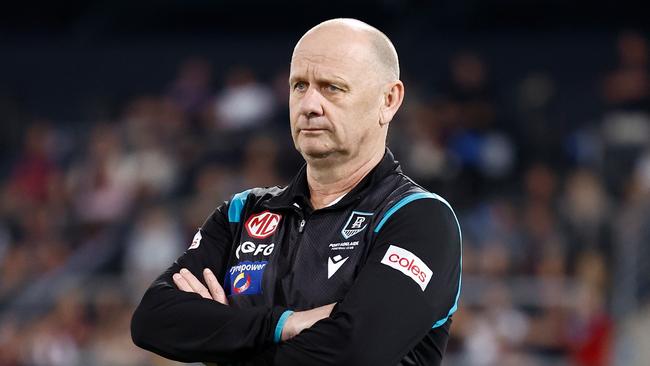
[293, 116]
[293, 108]
[365, 116]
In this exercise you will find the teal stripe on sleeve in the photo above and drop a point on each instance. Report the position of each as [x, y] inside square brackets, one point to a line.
[420, 195]
[460, 275]
[236, 205]
[400, 204]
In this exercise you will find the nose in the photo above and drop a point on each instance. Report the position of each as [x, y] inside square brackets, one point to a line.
[311, 104]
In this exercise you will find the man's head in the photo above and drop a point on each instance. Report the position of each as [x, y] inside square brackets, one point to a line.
[344, 91]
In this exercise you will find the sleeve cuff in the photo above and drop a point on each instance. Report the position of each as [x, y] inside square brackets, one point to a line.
[278, 328]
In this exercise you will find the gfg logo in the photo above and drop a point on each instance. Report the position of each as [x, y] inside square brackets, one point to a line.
[263, 224]
[250, 247]
[409, 264]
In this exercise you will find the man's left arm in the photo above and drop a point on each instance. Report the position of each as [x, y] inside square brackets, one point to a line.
[410, 283]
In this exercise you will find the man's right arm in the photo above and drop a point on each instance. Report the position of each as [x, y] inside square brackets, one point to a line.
[184, 326]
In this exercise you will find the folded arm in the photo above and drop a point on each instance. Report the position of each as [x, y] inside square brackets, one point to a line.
[187, 326]
[410, 283]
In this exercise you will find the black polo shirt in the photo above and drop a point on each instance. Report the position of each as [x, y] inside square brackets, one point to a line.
[388, 253]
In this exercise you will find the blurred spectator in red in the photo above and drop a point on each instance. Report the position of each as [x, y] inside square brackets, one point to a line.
[590, 328]
[628, 86]
[35, 167]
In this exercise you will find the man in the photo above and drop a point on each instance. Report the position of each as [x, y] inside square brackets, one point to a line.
[351, 264]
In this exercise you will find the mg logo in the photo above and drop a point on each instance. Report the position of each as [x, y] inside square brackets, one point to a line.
[263, 224]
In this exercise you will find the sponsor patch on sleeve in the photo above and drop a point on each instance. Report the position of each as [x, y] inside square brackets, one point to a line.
[409, 264]
[196, 241]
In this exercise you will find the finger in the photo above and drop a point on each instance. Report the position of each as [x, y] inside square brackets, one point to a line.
[215, 288]
[329, 308]
[196, 285]
[181, 283]
[325, 310]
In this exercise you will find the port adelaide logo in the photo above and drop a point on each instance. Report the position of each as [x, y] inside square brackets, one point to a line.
[356, 223]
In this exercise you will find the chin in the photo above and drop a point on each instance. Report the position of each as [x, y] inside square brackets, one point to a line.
[315, 152]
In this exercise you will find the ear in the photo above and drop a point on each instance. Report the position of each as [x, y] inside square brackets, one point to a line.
[392, 98]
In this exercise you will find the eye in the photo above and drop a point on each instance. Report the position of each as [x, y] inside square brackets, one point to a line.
[333, 88]
[300, 86]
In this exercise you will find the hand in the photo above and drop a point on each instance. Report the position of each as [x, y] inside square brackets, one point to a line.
[185, 281]
[301, 320]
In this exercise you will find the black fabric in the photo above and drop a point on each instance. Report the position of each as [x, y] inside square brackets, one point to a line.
[382, 316]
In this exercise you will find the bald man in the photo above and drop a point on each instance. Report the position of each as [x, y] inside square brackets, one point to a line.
[352, 263]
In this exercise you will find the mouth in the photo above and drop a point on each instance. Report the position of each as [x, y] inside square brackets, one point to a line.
[312, 130]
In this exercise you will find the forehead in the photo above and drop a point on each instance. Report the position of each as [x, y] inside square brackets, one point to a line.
[320, 55]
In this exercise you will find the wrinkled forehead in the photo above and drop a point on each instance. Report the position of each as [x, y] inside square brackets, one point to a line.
[347, 57]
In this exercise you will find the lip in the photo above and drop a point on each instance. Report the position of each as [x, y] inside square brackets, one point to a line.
[312, 129]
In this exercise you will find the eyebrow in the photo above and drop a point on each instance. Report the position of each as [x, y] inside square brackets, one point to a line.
[333, 79]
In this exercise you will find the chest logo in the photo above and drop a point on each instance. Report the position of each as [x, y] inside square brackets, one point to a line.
[241, 283]
[263, 224]
[334, 263]
[357, 222]
[245, 278]
[256, 249]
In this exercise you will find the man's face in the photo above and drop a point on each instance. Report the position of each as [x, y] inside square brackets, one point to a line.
[335, 95]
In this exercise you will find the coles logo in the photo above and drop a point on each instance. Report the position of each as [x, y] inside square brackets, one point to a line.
[409, 264]
[263, 224]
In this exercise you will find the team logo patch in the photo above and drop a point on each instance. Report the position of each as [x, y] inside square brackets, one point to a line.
[245, 278]
[334, 263]
[263, 224]
[409, 264]
[196, 241]
[356, 223]
[250, 247]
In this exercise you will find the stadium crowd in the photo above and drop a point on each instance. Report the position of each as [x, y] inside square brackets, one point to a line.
[555, 215]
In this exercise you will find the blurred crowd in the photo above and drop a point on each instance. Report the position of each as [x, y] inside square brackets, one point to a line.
[555, 213]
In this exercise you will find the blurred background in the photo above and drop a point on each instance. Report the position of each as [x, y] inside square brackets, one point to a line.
[123, 125]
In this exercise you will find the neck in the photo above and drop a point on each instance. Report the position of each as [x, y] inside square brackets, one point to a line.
[328, 182]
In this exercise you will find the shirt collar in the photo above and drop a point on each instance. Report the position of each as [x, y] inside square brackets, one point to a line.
[297, 191]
